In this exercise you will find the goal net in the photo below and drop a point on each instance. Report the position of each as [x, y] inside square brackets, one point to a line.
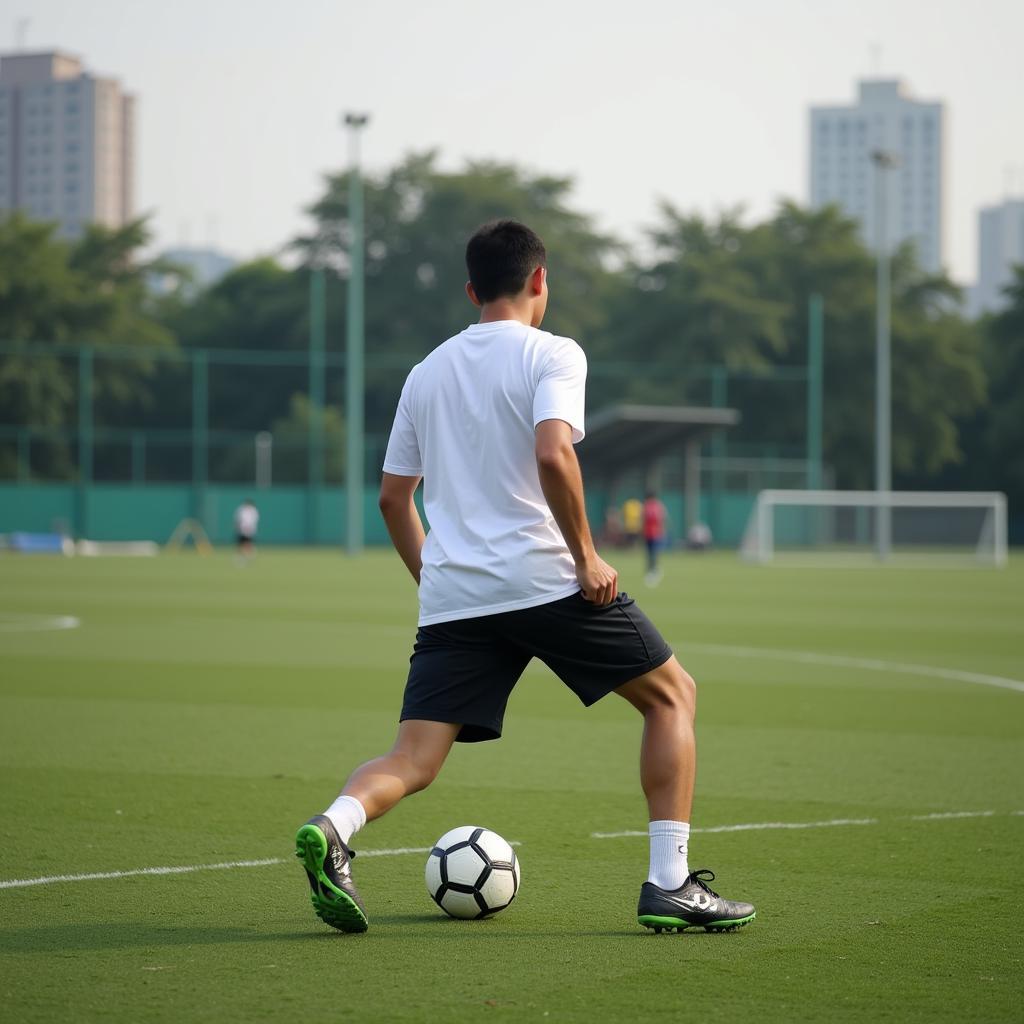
[870, 527]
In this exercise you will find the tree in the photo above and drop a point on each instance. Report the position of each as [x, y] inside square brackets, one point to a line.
[89, 291]
[720, 292]
[258, 307]
[292, 433]
[418, 219]
[729, 319]
[993, 437]
[1004, 356]
[936, 369]
[701, 293]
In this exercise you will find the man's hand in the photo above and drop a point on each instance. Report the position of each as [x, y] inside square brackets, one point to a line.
[598, 580]
[403, 520]
[560, 479]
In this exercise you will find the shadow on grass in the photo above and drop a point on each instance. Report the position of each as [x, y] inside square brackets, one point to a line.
[137, 935]
[142, 935]
[487, 927]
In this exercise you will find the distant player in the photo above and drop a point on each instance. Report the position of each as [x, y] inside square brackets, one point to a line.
[632, 520]
[247, 522]
[699, 538]
[614, 535]
[655, 530]
[507, 573]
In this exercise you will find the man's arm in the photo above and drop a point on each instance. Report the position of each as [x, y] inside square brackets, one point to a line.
[402, 519]
[562, 483]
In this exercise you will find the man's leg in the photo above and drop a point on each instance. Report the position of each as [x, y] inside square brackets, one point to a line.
[653, 575]
[411, 765]
[667, 698]
[372, 790]
[672, 897]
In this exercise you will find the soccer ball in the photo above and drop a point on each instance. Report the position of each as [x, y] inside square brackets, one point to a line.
[472, 872]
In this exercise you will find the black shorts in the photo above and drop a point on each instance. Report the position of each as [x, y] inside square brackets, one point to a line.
[243, 538]
[464, 671]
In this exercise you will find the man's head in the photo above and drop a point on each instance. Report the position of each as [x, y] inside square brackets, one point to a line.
[507, 261]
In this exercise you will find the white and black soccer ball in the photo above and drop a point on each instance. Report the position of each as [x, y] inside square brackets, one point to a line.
[472, 872]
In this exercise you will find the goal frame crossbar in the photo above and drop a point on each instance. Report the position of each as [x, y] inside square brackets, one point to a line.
[767, 500]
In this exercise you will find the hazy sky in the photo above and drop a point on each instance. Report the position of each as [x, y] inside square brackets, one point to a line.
[704, 104]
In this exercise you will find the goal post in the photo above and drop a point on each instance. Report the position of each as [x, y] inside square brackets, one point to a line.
[857, 528]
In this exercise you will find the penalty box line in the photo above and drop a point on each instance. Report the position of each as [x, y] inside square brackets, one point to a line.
[187, 869]
[761, 826]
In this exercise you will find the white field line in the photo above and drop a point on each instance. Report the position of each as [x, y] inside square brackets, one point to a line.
[752, 827]
[398, 850]
[186, 869]
[868, 664]
[410, 849]
[36, 623]
[182, 869]
[832, 823]
[941, 816]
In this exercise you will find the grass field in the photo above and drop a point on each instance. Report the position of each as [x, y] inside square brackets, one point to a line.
[200, 712]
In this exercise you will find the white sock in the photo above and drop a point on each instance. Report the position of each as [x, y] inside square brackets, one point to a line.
[669, 840]
[347, 815]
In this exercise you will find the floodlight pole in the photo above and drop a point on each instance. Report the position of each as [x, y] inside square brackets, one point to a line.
[815, 361]
[354, 347]
[883, 161]
[200, 432]
[85, 439]
[315, 446]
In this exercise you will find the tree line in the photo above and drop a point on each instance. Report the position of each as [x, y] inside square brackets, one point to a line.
[696, 292]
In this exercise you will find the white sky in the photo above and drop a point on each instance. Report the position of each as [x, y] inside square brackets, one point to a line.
[701, 103]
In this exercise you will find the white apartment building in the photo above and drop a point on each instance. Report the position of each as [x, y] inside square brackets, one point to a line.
[66, 142]
[842, 169]
[1000, 247]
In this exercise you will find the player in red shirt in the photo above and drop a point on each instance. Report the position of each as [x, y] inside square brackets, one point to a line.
[655, 519]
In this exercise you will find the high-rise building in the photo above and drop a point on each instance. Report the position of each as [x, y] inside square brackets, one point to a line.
[844, 169]
[1000, 247]
[67, 142]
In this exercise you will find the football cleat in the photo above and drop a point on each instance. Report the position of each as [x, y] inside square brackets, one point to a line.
[693, 905]
[327, 861]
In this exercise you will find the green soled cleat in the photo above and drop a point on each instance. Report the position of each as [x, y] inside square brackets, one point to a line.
[692, 905]
[327, 861]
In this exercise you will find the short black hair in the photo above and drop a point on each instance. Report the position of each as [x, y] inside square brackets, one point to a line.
[500, 256]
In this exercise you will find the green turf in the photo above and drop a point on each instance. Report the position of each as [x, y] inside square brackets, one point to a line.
[203, 711]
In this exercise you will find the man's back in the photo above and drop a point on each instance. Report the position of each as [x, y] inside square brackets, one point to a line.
[466, 421]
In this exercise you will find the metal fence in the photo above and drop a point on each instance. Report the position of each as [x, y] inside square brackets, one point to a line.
[144, 417]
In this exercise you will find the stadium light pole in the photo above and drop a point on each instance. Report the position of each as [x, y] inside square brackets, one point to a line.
[354, 346]
[315, 445]
[815, 404]
[884, 161]
[85, 439]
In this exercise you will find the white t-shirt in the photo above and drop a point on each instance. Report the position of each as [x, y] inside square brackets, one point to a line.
[247, 520]
[466, 422]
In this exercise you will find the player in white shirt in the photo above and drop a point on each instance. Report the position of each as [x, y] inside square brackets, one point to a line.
[507, 573]
[247, 522]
